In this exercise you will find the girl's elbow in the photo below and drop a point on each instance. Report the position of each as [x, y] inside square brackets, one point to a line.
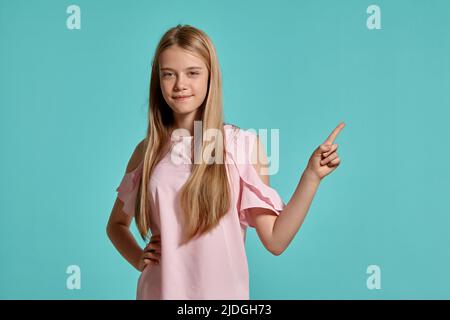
[276, 251]
[108, 230]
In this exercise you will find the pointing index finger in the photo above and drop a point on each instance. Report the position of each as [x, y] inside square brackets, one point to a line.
[333, 135]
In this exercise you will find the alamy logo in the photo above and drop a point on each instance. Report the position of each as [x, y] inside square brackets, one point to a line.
[374, 20]
[74, 20]
[74, 279]
[374, 280]
[245, 151]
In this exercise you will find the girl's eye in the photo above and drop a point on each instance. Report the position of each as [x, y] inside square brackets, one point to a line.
[167, 74]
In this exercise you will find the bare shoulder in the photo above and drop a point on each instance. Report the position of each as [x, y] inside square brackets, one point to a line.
[137, 156]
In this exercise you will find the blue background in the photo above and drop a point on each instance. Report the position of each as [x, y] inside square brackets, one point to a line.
[74, 105]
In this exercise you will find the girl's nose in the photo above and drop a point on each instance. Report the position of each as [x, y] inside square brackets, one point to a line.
[180, 84]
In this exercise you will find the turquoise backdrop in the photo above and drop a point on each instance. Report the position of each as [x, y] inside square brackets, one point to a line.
[74, 105]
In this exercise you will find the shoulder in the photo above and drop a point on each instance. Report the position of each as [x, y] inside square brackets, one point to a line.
[238, 135]
[247, 148]
[137, 156]
[241, 143]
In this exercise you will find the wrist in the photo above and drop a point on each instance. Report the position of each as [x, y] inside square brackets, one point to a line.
[311, 176]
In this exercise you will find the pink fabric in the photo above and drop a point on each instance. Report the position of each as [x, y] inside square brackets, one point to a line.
[213, 266]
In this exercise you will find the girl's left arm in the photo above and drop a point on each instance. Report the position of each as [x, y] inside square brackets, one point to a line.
[277, 232]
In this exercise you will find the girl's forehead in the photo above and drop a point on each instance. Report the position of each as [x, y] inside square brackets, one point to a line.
[179, 59]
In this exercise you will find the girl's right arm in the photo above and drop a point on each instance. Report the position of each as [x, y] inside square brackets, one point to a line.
[118, 228]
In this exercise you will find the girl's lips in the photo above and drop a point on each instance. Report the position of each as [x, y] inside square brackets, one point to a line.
[183, 99]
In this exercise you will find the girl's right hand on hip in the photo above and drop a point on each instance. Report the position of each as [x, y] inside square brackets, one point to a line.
[151, 254]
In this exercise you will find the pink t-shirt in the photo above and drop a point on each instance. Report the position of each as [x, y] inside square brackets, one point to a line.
[214, 265]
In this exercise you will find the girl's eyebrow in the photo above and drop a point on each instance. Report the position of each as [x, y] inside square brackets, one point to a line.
[189, 68]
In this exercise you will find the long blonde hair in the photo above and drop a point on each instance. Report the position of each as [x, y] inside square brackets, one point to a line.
[205, 197]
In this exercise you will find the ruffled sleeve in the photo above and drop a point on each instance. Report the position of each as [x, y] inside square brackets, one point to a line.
[254, 193]
[128, 188]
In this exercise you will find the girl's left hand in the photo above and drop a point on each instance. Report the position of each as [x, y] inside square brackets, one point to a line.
[325, 159]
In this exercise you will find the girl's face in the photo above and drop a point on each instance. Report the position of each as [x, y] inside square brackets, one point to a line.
[182, 74]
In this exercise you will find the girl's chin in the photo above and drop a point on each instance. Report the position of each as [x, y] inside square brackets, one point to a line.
[183, 110]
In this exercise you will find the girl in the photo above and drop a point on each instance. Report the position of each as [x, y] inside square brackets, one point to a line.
[198, 211]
